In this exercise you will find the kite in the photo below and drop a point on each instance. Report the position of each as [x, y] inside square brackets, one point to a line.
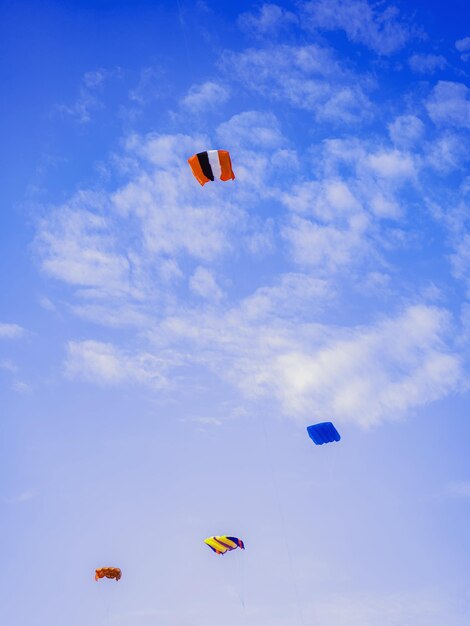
[224, 544]
[108, 572]
[212, 164]
[323, 433]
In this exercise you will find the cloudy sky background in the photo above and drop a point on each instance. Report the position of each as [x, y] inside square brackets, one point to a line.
[164, 345]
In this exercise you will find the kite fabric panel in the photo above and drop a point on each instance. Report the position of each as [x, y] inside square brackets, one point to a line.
[222, 544]
[108, 572]
[322, 433]
[207, 166]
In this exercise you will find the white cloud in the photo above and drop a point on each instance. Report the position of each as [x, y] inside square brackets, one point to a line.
[448, 152]
[307, 77]
[337, 221]
[329, 229]
[373, 373]
[204, 421]
[325, 200]
[286, 159]
[292, 295]
[203, 283]
[103, 363]
[251, 129]
[11, 331]
[262, 240]
[406, 130]
[449, 104]
[46, 303]
[363, 375]
[151, 86]
[368, 162]
[78, 246]
[21, 387]
[460, 258]
[8, 366]
[463, 45]
[380, 30]
[107, 313]
[392, 164]
[270, 20]
[89, 99]
[205, 97]
[327, 247]
[261, 163]
[427, 63]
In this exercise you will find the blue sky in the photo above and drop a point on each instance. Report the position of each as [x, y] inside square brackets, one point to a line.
[164, 345]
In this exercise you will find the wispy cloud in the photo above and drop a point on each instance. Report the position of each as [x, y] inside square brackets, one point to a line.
[103, 363]
[449, 104]
[269, 20]
[252, 129]
[76, 246]
[11, 331]
[448, 152]
[460, 258]
[204, 97]
[90, 96]
[306, 77]
[406, 130]
[21, 387]
[364, 375]
[150, 86]
[203, 283]
[204, 421]
[427, 63]
[46, 303]
[8, 366]
[463, 46]
[336, 218]
[380, 29]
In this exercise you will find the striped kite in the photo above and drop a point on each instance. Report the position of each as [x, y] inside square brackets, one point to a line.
[108, 572]
[212, 164]
[224, 544]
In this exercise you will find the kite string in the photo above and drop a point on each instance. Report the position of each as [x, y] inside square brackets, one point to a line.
[186, 44]
[241, 592]
[240, 578]
[282, 518]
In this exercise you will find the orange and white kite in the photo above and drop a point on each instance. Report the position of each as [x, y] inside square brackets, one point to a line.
[210, 165]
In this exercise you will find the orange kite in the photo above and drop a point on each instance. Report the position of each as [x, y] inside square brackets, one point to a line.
[108, 572]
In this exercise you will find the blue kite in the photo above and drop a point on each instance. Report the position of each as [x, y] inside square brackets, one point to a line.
[323, 433]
